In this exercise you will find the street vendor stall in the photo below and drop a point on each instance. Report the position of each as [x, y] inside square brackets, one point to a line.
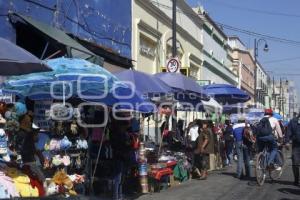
[73, 106]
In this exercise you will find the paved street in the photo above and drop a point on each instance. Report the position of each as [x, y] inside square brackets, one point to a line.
[222, 185]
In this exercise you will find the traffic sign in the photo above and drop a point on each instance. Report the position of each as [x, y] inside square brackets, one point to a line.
[173, 65]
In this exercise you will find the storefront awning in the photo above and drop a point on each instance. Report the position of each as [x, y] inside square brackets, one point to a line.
[74, 49]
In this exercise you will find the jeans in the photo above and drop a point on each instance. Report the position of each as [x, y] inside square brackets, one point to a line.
[243, 154]
[117, 180]
[229, 152]
[272, 145]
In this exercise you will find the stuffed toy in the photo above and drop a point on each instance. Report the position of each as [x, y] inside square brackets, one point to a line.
[62, 179]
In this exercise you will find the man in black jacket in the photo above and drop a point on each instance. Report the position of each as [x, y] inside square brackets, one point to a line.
[293, 133]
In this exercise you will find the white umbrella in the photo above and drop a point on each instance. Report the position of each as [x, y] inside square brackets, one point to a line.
[212, 106]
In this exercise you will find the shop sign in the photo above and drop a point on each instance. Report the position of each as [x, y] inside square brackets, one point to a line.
[41, 114]
[173, 65]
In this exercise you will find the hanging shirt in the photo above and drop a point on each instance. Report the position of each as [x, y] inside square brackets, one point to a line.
[193, 133]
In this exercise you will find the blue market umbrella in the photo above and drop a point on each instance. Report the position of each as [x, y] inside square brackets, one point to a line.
[181, 83]
[226, 94]
[68, 75]
[76, 78]
[277, 116]
[123, 98]
[16, 61]
[144, 83]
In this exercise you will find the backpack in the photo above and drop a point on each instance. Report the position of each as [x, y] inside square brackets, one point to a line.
[248, 138]
[264, 127]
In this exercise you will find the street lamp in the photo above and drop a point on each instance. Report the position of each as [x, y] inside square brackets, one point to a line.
[266, 49]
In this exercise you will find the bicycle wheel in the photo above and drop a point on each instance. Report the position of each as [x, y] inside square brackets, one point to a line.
[276, 174]
[260, 170]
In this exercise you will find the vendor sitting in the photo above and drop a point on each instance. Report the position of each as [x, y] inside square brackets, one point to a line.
[29, 152]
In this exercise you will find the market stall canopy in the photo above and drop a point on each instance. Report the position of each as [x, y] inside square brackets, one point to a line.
[16, 61]
[226, 94]
[77, 78]
[144, 83]
[181, 83]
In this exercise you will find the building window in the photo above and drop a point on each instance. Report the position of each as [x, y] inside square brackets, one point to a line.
[194, 71]
[147, 47]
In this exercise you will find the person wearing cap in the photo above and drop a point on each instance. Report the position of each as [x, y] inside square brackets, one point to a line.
[270, 138]
[243, 152]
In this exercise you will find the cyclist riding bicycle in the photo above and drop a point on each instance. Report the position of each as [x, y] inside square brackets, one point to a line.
[269, 133]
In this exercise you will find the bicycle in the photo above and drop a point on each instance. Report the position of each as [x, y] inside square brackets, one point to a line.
[262, 167]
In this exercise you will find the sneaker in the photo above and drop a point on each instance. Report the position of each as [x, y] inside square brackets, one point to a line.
[277, 168]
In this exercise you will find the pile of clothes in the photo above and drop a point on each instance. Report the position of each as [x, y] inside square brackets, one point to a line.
[24, 183]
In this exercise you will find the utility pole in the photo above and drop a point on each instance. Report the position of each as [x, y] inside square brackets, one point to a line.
[274, 95]
[174, 46]
[266, 48]
[280, 96]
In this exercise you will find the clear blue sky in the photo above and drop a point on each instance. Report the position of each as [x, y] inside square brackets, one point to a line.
[282, 20]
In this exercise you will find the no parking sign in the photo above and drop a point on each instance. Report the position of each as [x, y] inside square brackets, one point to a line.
[173, 65]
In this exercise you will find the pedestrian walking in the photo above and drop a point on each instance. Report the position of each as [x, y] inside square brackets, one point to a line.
[202, 150]
[229, 142]
[243, 152]
[293, 133]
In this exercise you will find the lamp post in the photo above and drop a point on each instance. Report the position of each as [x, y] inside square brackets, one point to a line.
[266, 49]
[174, 48]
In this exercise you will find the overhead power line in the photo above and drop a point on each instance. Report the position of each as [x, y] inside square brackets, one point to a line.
[282, 60]
[232, 28]
[264, 12]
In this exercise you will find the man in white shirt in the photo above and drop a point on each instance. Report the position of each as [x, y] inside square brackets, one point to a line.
[271, 137]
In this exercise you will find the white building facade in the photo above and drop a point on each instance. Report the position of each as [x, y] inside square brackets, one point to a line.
[217, 61]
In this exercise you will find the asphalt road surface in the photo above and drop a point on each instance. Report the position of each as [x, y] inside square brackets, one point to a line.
[221, 185]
